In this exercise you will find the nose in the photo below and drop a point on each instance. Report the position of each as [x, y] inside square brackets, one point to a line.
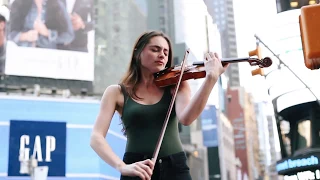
[161, 55]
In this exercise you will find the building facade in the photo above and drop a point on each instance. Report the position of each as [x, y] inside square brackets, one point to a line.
[117, 31]
[264, 135]
[223, 15]
[227, 154]
[274, 153]
[245, 127]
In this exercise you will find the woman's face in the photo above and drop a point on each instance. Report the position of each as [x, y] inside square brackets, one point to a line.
[154, 56]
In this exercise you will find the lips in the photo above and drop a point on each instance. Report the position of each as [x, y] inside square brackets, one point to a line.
[160, 62]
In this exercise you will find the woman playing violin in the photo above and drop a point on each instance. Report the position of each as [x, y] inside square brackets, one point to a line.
[143, 107]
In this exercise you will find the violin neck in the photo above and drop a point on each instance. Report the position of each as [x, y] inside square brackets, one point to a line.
[226, 60]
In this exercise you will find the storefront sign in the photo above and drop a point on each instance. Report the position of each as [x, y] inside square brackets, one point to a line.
[304, 175]
[45, 141]
[297, 163]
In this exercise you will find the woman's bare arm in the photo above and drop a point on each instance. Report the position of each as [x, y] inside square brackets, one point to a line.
[109, 104]
[101, 127]
[188, 109]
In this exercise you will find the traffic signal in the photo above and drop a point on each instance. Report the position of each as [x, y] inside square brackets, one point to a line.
[310, 36]
[257, 52]
[257, 71]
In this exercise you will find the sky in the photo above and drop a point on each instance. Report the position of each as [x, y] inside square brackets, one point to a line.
[252, 17]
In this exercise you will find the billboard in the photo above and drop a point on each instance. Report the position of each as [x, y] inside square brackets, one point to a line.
[51, 39]
[4, 15]
[46, 141]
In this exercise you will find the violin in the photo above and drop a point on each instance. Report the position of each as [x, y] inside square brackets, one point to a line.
[174, 76]
[170, 76]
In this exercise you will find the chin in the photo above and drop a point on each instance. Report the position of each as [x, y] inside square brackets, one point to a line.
[156, 69]
[160, 69]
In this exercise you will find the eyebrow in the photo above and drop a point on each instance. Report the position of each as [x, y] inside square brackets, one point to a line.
[158, 47]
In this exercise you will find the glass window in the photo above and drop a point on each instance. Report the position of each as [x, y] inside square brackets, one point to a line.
[285, 136]
[161, 9]
[303, 136]
[161, 20]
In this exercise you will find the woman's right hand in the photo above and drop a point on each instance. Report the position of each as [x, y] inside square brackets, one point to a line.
[142, 169]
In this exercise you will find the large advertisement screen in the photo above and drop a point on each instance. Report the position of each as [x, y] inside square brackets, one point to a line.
[51, 39]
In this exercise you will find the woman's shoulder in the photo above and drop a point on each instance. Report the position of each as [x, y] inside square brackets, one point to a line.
[114, 89]
[113, 94]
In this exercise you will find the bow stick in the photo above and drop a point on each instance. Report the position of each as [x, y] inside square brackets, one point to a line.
[156, 152]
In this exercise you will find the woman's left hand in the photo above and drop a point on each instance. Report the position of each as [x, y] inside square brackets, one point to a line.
[213, 65]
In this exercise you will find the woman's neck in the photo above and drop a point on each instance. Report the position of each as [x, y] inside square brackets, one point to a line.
[147, 78]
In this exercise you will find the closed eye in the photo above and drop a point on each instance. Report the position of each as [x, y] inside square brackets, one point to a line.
[156, 48]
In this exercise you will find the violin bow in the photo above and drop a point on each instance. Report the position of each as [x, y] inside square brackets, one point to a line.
[164, 127]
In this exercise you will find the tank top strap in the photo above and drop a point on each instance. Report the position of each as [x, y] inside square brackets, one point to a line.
[124, 92]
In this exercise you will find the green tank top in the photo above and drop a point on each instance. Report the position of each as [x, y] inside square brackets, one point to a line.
[143, 124]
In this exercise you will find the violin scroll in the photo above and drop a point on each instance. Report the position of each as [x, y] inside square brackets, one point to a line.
[267, 62]
[263, 63]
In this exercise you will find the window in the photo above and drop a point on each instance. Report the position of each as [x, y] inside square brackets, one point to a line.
[285, 136]
[162, 21]
[161, 9]
[303, 135]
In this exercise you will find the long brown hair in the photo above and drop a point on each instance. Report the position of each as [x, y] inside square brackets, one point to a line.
[133, 75]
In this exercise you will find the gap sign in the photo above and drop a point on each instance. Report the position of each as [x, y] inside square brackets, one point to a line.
[45, 140]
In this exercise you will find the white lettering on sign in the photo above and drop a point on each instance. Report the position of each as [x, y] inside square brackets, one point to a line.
[50, 147]
[24, 152]
[304, 175]
[37, 149]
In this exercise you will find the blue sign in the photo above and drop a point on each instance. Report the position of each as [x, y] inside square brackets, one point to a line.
[46, 141]
[209, 126]
[298, 163]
